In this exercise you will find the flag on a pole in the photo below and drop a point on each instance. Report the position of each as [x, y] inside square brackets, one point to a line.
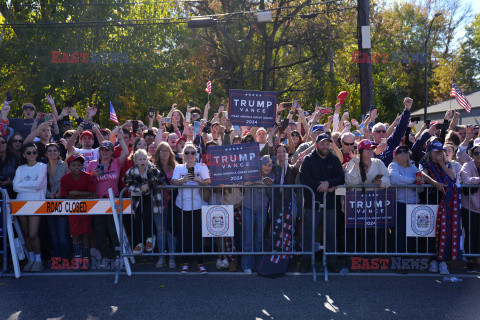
[208, 89]
[452, 93]
[460, 97]
[113, 115]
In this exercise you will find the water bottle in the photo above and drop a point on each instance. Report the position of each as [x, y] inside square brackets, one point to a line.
[344, 271]
[451, 279]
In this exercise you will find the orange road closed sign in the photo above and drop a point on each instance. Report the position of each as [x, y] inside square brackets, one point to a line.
[66, 207]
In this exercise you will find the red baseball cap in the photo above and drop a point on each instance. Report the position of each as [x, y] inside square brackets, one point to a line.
[74, 157]
[365, 144]
[341, 96]
[178, 141]
[86, 133]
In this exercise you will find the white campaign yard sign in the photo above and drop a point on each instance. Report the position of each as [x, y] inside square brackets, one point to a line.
[217, 221]
[421, 220]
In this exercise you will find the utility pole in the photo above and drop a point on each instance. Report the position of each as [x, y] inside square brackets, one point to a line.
[365, 65]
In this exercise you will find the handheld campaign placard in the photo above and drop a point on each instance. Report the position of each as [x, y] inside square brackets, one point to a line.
[252, 108]
[371, 209]
[234, 163]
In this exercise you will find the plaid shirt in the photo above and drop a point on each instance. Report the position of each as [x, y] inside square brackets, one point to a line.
[155, 180]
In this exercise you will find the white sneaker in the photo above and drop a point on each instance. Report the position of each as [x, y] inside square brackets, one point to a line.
[443, 268]
[160, 263]
[171, 263]
[225, 263]
[247, 271]
[138, 249]
[433, 267]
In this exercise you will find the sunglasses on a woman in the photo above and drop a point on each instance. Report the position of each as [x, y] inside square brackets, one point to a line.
[190, 152]
[29, 153]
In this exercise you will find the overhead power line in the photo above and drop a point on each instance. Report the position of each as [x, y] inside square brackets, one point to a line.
[166, 21]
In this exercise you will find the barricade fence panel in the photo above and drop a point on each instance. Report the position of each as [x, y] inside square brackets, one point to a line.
[3, 232]
[396, 221]
[259, 225]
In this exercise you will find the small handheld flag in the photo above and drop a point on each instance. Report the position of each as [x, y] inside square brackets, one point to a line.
[208, 89]
[460, 97]
[113, 115]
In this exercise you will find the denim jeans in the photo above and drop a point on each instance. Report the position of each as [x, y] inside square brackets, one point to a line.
[164, 236]
[253, 227]
[59, 235]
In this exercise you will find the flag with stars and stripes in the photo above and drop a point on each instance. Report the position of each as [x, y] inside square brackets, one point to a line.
[282, 240]
[113, 115]
[208, 89]
[460, 97]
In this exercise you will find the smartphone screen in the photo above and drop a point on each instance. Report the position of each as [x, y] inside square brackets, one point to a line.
[101, 168]
[47, 117]
[151, 111]
[168, 120]
[384, 140]
[196, 127]
[134, 125]
[188, 116]
[191, 171]
[237, 130]
[9, 96]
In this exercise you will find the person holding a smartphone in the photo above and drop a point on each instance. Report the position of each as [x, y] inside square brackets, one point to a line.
[364, 168]
[403, 172]
[187, 215]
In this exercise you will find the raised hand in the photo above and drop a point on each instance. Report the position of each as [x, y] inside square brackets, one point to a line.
[408, 102]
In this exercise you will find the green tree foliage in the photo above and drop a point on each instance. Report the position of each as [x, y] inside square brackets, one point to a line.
[305, 53]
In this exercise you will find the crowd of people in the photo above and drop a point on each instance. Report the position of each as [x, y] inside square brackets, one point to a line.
[44, 157]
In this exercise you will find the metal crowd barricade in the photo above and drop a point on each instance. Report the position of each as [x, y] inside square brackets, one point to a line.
[287, 202]
[56, 207]
[3, 232]
[371, 221]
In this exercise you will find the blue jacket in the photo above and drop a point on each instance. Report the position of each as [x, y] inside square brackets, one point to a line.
[396, 137]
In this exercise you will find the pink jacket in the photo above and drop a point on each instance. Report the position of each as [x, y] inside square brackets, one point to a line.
[469, 175]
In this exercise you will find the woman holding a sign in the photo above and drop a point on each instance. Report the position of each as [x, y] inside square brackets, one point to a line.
[365, 169]
[438, 172]
[187, 215]
[254, 212]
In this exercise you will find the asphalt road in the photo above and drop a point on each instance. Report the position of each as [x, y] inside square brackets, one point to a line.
[238, 297]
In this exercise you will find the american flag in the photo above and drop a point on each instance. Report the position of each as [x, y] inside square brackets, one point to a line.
[113, 115]
[208, 89]
[460, 97]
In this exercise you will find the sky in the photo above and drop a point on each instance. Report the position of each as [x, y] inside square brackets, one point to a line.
[461, 32]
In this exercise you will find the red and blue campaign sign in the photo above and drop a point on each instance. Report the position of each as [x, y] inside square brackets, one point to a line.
[252, 108]
[234, 163]
[363, 209]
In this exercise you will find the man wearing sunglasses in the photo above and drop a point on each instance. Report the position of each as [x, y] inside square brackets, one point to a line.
[384, 151]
